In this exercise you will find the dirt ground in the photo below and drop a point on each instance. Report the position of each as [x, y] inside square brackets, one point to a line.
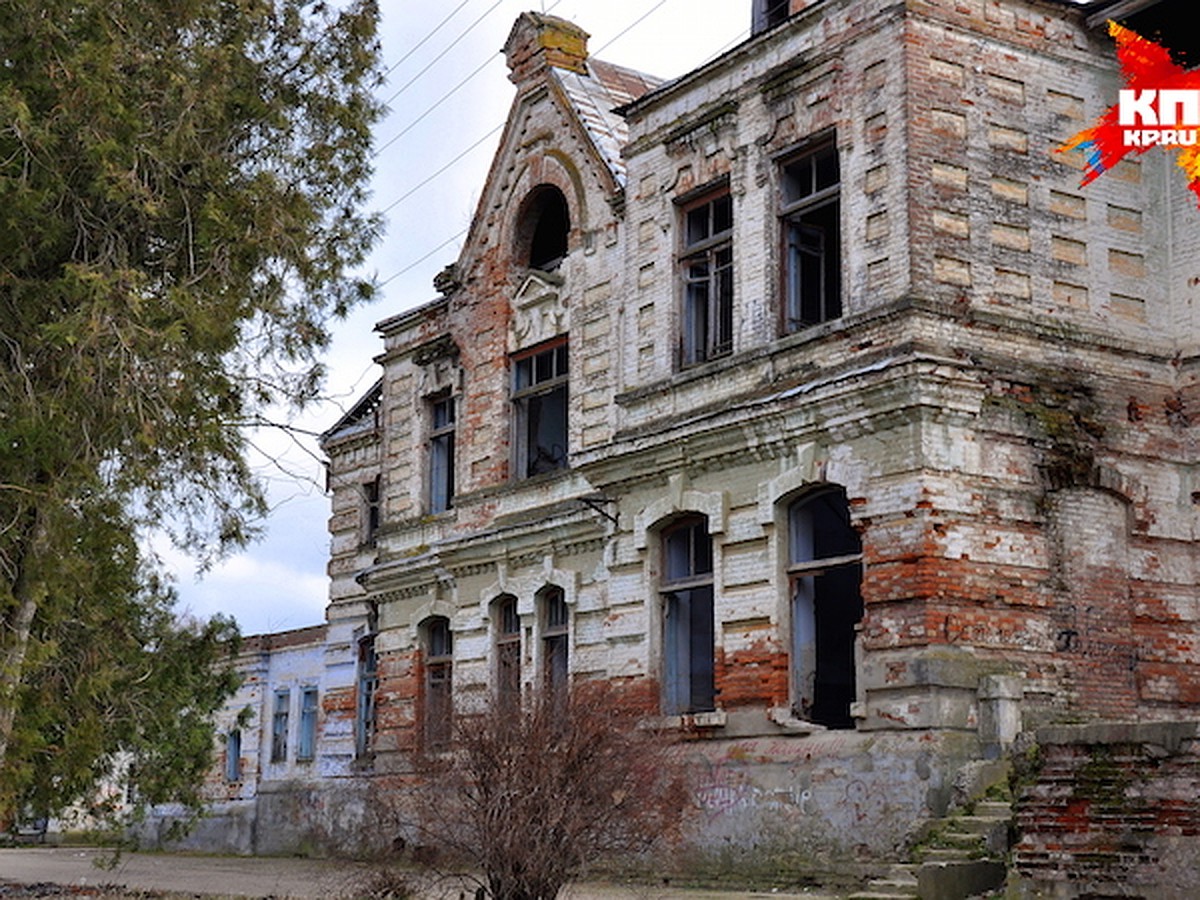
[73, 869]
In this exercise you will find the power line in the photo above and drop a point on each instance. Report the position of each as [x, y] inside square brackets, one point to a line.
[419, 44]
[416, 187]
[416, 262]
[446, 96]
[445, 50]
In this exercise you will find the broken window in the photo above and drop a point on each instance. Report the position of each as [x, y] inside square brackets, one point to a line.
[371, 510]
[368, 686]
[825, 574]
[441, 453]
[508, 652]
[707, 267]
[810, 213]
[543, 228]
[279, 726]
[439, 674]
[688, 628]
[555, 619]
[306, 746]
[540, 406]
[233, 755]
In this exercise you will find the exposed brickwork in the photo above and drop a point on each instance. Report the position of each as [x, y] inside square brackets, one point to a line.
[1007, 402]
[1112, 813]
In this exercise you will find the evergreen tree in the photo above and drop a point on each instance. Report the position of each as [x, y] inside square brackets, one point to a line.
[180, 193]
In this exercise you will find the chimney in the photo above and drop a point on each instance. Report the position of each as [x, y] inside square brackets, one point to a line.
[538, 42]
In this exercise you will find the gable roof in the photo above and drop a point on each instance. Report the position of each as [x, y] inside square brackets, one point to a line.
[596, 96]
[362, 417]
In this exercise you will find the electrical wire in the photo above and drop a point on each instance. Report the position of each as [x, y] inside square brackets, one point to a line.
[421, 43]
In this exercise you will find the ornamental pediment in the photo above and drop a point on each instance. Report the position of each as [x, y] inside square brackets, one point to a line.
[539, 310]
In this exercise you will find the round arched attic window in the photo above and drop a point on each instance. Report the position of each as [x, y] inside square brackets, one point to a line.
[542, 228]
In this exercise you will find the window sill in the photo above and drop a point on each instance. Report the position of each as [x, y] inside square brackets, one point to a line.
[787, 719]
[701, 721]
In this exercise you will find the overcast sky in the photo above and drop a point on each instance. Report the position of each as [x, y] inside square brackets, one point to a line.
[448, 94]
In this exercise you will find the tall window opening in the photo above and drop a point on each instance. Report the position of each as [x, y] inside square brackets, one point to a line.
[707, 268]
[810, 213]
[508, 652]
[825, 574]
[540, 407]
[441, 453]
[688, 620]
[543, 228]
[306, 745]
[439, 678]
[371, 510]
[233, 755]
[555, 626]
[367, 688]
[279, 726]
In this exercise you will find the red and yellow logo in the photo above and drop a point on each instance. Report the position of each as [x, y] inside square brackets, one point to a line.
[1159, 107]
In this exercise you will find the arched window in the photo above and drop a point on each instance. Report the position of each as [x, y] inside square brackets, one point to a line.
[542, 229]
[686, 589]
[825, 574]
[508, 651]
[555, 627]
[438, 646]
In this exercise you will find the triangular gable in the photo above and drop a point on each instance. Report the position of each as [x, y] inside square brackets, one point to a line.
[549, 63]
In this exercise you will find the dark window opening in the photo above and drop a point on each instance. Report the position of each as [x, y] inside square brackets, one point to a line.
[279, 726]
[688, 617]
[825, 574]
[555, 626]
[540, 402]
[543, 229]
[306, 747]
[441, 454]
[439, 676]
[368, 686]
[769, 13]
[233, 755]
[707, 269]
[508, 652]
[371, 510]
[811, 215]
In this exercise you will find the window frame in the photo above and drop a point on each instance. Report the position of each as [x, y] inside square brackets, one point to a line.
[507, 641]
[533, 386]
[233, 755]
[555, 636]
[796, 309]
[706, 275]
[811, 641]
[688, 606]
[440, 451]
[280, 712]
[306, 740]
[366, 691]
[437, 682]
[372, 492]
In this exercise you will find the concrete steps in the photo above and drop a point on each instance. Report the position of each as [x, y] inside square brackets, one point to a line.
[962, 857]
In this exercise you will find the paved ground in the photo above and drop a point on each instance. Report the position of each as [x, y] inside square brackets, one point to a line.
[272, 877]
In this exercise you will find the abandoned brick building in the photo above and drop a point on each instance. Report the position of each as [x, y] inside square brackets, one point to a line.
[808, 396]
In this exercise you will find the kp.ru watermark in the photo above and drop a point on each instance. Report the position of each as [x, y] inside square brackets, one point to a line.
[1144, 113]
[1159, 107]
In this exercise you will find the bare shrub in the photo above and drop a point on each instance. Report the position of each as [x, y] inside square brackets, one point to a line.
[531, 797]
